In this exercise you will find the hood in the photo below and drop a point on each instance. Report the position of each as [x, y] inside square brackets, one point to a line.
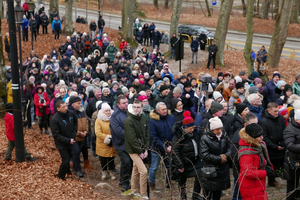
[234, 94]
[247, 140]
[130, 111]
[154, 115]
[96, 50]
[174, 102]
[103, 117]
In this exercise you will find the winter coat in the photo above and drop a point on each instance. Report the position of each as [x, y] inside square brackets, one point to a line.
[194, 45]
[258, 111]
[44, 20]
[152, 27]
[37, 19]
[63, 128]
[291, 138]
[9, 93]
[234, 148]
[62, 49]
[136, 27]
[101, 131]
[79, 46]
[295, 87]
[156, 37]
[41, 110]
[122, 45]
[101, 23]
[234, 96]
[56, 25]
[264, 78]
[173, 41]
[238, 122]
[25, 24]
[252, 177]
[7, 44]
[10, 127]
[178, 115]
[111, 50]
[83, 125]
[160, 131]
[212, 49]
[33, 25]
[269, 89]
[210, 150]
[139, 37]
[203, 37]
[273, 134]
[117, 128]
[184, 152]
[53, 15]
[146, 31]
[93, 26]
[69, 53]
[137, 134]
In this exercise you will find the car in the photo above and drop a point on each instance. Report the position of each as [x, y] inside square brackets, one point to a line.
[194, 30]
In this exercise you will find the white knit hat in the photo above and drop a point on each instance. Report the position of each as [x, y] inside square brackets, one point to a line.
[215, 123]
[105, 107]
[296, 104]
[217, 95]
[238, 79]
[297, 114]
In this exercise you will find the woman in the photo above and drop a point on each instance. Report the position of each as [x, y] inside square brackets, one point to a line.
[237, 93]
[139, 36]
[93, 27]
[241, 110]
[287, 92]
[186, 155]
[177, 109]
[258, 83]
[254, 162]
[146, 31]
[291, 138]
[194, 84]
[215, 152]
[41, 102]
[107, 97]
[104, 148]
[111, 50]
[296, 85]
[136, 26]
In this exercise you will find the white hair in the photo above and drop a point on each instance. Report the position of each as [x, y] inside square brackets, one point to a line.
[73, 93]
[252, 97]
[159, 104]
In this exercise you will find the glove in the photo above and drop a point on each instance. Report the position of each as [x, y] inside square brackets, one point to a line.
[107, 139]
[269, 171]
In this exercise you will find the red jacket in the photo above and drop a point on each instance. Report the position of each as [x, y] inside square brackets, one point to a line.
[10, 128]
[40, 105]
[122, 45]
[99, 42]
[252, 179]
[25, 6]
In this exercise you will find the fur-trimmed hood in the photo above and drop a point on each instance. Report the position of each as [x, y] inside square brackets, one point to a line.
[154, 115]
[235, 95]
[247, 139]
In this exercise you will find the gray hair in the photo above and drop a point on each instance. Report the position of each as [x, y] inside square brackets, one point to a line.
[156, 71]
[248, 117]
[159, 104]
[32, 77]
[177, 90]
[252, 97]
[96, 89]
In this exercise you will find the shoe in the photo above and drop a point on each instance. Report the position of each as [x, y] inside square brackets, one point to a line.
[87, 164]
[112, 175]
[145, 197]
[79, 173]
[69, 173]
[127, 192]
[125, 187]
[152, 186]
[31, 159]
[41, 131]
[274, 184]
[197, 197]
[136, 195]
[104, 175]
[47, 132]
[94, 154]
[7, 159]
[116, 171]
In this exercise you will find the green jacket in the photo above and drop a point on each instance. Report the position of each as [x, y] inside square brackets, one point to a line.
[111, 51]
[136, 27]
[137, 135]
[296, 88]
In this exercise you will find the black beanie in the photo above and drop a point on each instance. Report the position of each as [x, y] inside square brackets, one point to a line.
[240, 107]
[215, 107]
[239, 85]
[286, 88]
[187, 84]
[163, 87]
[74, 99]
[254, 130]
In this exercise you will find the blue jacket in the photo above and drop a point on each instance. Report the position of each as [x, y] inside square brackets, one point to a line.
[117, 128]
[253, 55]
[270, 90]
[194, 45]
[258, 111]
[25, 24]
[170, 74]
[69, 53]
[37, 19]
[56, 25]
[152, 27]
[160, 131]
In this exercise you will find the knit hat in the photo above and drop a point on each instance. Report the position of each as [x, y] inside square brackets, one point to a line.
[74, 99]
[254, 130]
[187, 84]
[83, 82]
[124, 89]
[105, 106]
[257, 80]
[215, 107]
[239, 85]
[188, 120]
[220, 74]
[227, 74]
[262, 68]
[114, 83]
[253, 89]
[297, 114]
[97, 105]
[163, 87]
[166, 79]
[240, 107]
[255, 74]
[217, 95]
[215, 123]
[238, 79]
[242, 73]
[142, 97]
[286, 88]
[280, 83]
[297, 76]
[113, 76]
[276, 74]
[282, 110]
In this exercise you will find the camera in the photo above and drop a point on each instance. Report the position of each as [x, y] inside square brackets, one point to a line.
[42, 100]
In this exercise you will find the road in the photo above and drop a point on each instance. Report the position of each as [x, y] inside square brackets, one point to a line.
[114, 21]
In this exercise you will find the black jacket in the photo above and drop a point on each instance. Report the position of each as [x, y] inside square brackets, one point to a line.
[273, 134]
[98, 75]
[91, 108]
[238, 122]
[146, 31]
[63, 128]
[234, 148]
[44, 20]
[173, 40]
[33, 25]
[210, 150]
[101, 23]
[213, 49]
[204, 38]
[93, 26]
[7, 45]
[178, 115]
[62, 50]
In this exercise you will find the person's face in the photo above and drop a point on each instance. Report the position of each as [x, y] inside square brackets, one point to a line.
[276, 78]
[243, 76]
[137, 108]
[259, 85]
[259, 139]
[145, 102]
[77, 105]
[81, 96]
[74, 86]
[136, 83]
[226, 78]
[179, 106]
[245, 111]
[231, 84]
[167, 83]
[63, 108]
[193, 83]
[148, 93]
[220, 78]
[219, 99]
[165, 92]
[188, 89]
[257, 101]
[288, 93]
[189, 130]
[107, 112]
[123, 105]
[274, 111]
[62, 93]
[115, 87]
[98, 94]
[162, 110]
[151, 82]
[241, 90]
[263, 72]
[282, 86]
[225, 107]
[105, 93]
[219, 113]
[183, 80]
[40, 90]
[217, 131]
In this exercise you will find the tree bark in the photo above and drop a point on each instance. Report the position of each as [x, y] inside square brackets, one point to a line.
[248, 45]
[276, 7]
[280, 33]
[257, 7]
[155, 2]
[3, 89]
[54, 4]
[265, 9]
[68, 29]
[128, 21]
[123, 13]
[166, 4]
[244, 8]
[295, 12]
[222, 28]
[175, 18]
[207, 7]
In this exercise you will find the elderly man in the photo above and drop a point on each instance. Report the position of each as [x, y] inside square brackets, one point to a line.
[160, 126]
[177, 92]
[91, 108]
[255, 105]
[137, 86]
[227, 91]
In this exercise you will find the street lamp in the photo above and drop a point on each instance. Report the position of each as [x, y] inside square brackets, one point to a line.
[31, 10]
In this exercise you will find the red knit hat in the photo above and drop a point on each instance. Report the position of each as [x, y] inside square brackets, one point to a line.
[188, 120]
[142, 97]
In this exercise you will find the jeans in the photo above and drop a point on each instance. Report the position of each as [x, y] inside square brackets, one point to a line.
[194, 53]
[100, 32]
[211, 56]
[45, 29]
[76, 155]
[155, 161]
[107, 163]
[32, 113]
[236, 193]
[65, 155]
[126, 167]
[93, 34]
[173, 51]
[10, 147]
[155, 43]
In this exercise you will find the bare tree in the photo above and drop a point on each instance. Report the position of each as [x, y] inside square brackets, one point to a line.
[244, 8]
[155, 2]
[68, 15]
[207, 7]
[295, 12]
[54, 4]
[265, 9]
[276, 7]
[280, 33]
[248, 46]
[166, 4]
[2, 66]
[128, 21]
[175, 18]
[222, 28]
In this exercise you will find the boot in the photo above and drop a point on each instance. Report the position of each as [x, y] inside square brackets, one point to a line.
[112, 175]
[104, 175]
[87, 165]
[182, 193]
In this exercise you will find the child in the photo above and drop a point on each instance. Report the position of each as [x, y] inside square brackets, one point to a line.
[10, 134]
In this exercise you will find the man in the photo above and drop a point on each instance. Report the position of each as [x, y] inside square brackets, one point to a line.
[156, 38]
[273, 126]
[137, 139]
[255, 105]
[261, 58]
[80, 140]
[78, 20]
[164, 91]
[137, 86]
[101, 24]
[79, 47]
[194, 49]
[64, 128]
[149, 95]
[44, 22]
[227, 91]
[243, 76]
[25, 24]
[53, 15]
[91, 108]
[270, 86]
[56, 27]
[118, 140]
[160, 126]
[157, 76]
[173, 41]
[177, 92]
[202, 40]
[212, 51]
[177, 80]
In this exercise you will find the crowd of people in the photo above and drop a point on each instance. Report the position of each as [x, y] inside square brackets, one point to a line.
[125, 102]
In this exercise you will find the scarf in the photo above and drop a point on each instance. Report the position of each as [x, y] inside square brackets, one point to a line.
[147, 108]
[8, 40]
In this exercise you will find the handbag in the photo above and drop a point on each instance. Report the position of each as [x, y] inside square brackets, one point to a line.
[293, 164]
[209, 172]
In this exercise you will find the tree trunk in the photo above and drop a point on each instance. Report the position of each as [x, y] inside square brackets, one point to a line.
[257, 7]
[276, 7]
[280, 33]
[123, 13]
[207, 7]
[54, 4]
[68, 29]
[265, 9]
[175, 18]
[248, 45]
[222, 28]
[129, 19]
[295, 12]
[3, 89]
[244, 8]
[166, 4]
[155, 2]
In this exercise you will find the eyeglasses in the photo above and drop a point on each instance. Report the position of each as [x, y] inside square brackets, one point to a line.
[136, 107]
